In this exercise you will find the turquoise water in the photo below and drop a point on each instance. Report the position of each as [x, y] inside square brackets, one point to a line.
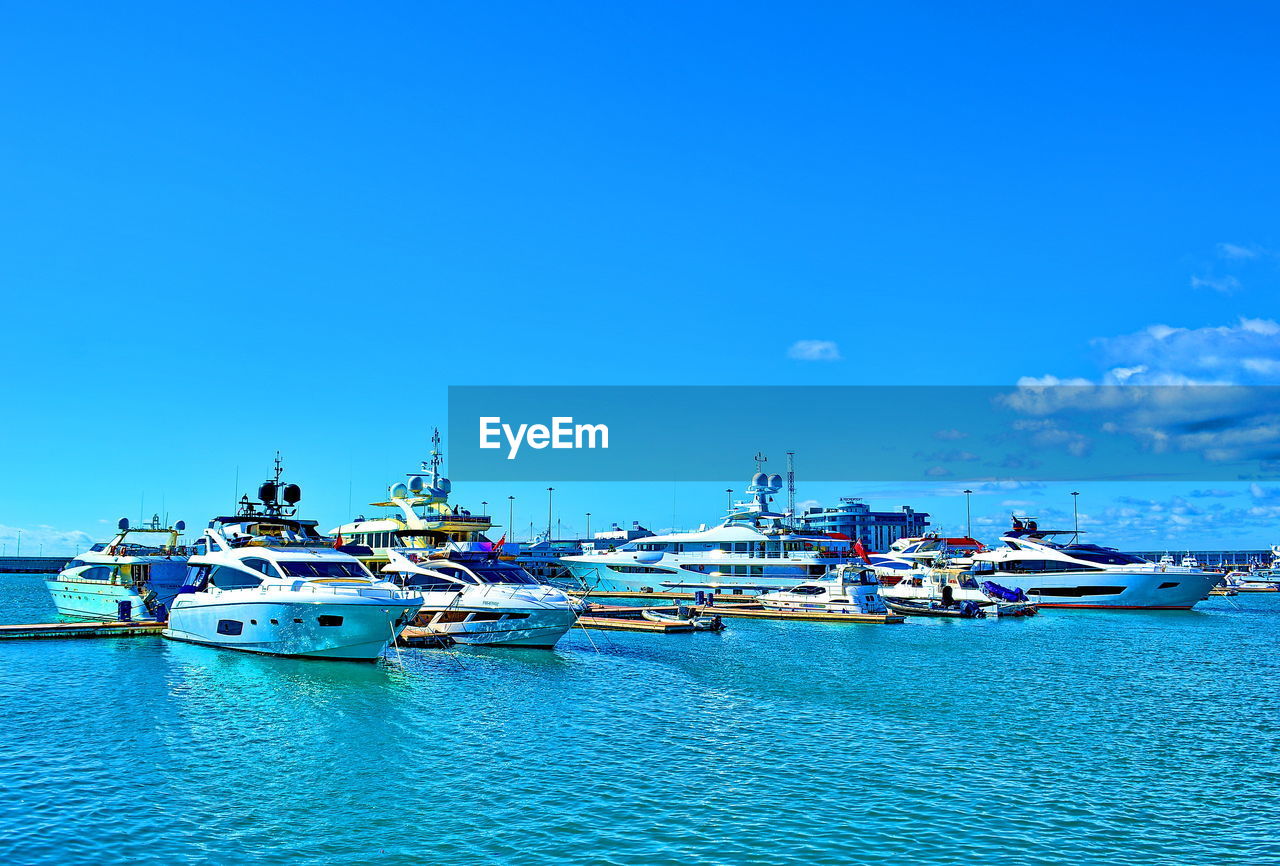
[1071, 737]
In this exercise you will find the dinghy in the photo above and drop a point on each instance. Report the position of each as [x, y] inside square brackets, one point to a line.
[699, 623]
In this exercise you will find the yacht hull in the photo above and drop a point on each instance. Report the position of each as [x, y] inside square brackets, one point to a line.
[1113, 590]
[99, 600]
[601, 577]
[350, 630]
[496, 615]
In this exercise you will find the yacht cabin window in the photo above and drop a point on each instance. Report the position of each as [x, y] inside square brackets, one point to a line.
[225, 577]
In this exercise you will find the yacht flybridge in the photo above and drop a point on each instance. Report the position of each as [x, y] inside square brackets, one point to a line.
[142, 565]
[264, 581]
[1055, 569]
[422, 520]
[752, 550]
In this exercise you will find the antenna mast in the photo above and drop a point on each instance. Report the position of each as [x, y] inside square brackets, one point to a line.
[791, 484]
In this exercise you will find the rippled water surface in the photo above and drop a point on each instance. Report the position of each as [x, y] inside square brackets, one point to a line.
[1072, 737]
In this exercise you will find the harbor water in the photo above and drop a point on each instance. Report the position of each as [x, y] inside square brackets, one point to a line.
[1074, 736]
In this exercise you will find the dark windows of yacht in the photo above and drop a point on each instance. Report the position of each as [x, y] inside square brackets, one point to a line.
[1105, 556]
[225, 577]
[329, 621]
[431, 583]
[260, 565]
[98, 572]
[323, 568]
[1076, 591]
[230, 626]
[1039, 566]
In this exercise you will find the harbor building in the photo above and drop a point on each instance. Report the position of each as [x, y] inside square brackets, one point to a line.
[855, 519]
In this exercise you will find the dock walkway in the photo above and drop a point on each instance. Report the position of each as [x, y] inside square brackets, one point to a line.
[38, 630]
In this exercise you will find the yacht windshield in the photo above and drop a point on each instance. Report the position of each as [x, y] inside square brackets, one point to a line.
[323, 568]
[501, 572]
[1104, 555]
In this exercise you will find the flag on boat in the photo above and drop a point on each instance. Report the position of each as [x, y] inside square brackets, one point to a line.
[496, 550]
[337, 542]
[861, 551]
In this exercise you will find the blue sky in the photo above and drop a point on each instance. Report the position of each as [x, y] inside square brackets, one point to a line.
[229, 229]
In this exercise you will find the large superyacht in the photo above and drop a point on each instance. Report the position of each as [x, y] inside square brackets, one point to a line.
[752, 550]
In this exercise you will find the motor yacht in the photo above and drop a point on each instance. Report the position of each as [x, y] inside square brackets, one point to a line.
[474, 597]
[944, 585]
[1055, 569]
[846, 588]
[264, 581]
[752, 550]
[907, 554]
[421, 518]
[142, 566]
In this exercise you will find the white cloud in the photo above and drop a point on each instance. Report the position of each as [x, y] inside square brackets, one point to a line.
[1238, 251]
[48, 540]
[1226, 284]
[814, 350]
[950, 435]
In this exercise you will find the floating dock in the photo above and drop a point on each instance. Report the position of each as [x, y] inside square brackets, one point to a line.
[46, 630]
[618, 623]
[664, 596]
[756, 611]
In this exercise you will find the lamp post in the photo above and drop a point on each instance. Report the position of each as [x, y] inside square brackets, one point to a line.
[19, 553]
[1075, 509]
[728, 500]
[968, 515]
[511, 516]
[484, 508]
[549, 489]
[588, 524]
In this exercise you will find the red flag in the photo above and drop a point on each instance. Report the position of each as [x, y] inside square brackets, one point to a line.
[337, 542]
[497, 548]
[861, 551]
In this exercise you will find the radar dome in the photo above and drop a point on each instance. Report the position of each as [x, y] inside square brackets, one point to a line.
[267, 491]
[760, 479]
[399, 490]
[292, 493]
[415, 485]
[123, 524]
[445, 485]
[775, 481]
[180, 525]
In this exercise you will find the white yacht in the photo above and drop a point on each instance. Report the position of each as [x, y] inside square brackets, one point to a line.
[1073, 574]
[1189, 561]
[474, 597]
[263, 581]
[907, 554]
[844, 589]
[752, 550]
[421, 518]
[142, 566]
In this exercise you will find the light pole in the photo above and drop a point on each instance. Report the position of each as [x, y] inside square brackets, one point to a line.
[549, 489]
[511, 516]
[728, 500]
[1075, 509]
[968, 515]
[588, 524]
[484, 508]
[19, 553]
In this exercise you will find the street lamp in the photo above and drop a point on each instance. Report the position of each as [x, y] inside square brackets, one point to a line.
[484, 508]
[728, 499]
[588, 524]
[511, 516]
[19, 553]
[1075, 509]
[968, 515]
[549, 489]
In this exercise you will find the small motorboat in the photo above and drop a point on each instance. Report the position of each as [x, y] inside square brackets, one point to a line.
[846, 588]
[711, 622]
[924, 607]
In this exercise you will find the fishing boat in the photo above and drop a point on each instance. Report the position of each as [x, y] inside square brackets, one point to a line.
[846, 588]
[704, 622]
[475, 597]
[752, 550]
[138, 573]
[264, 581]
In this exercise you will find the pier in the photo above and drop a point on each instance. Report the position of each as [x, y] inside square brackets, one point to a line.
[755, 611]
[33, 564]
[45, 630]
